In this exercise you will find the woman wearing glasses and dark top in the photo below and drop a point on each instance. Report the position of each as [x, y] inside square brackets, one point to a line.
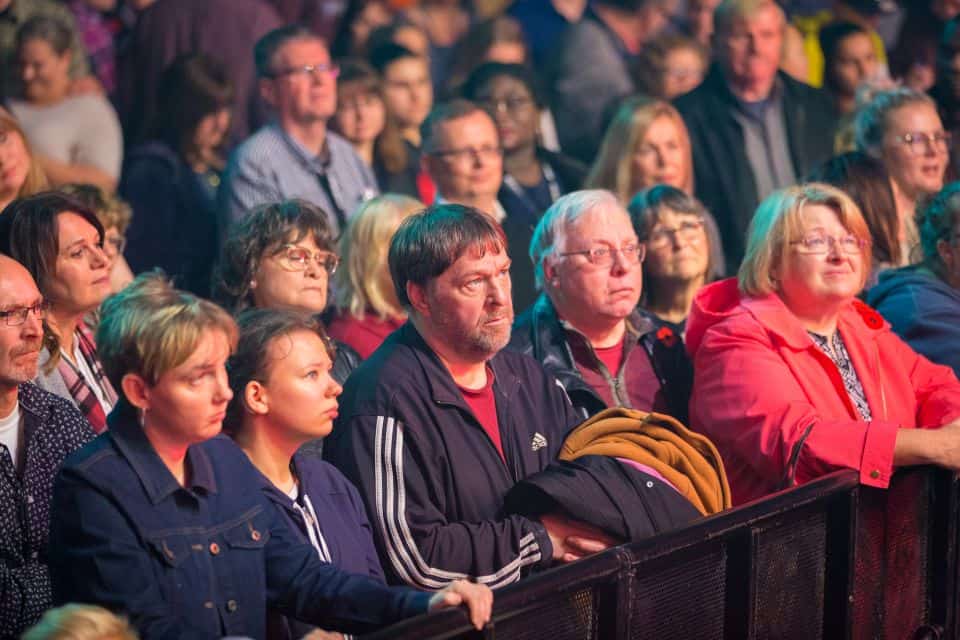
[165, 521]
[533, 178]
[60, 242]
[901, 128]
[281, 256]
[794, 377]
[684, 252]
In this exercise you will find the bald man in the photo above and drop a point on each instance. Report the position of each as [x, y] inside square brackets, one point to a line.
[37, 431]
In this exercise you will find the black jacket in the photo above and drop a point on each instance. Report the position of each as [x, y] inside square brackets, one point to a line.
[723, 177]
[53, 428]
[432, 480]
[538, 333]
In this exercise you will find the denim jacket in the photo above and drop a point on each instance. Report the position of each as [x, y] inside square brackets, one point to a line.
[200, 561]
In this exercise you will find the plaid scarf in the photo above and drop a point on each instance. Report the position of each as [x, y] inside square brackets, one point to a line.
[80, 389]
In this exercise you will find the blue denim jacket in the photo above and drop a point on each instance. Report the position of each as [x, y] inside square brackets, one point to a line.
[200, 561]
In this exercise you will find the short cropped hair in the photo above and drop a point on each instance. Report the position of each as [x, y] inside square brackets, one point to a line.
[936, 221]
[777, 223]
[267, 228]
[873, 118]
[51, 30]
[258, 328]
[441, 114]
[111, 210]
[550, 234]
[730, 10]
[149, 328]
[363, 252]
[266, 48]
[427, 243]
[80, 622]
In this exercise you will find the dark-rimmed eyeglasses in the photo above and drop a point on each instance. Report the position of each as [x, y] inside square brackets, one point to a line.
[466, 154]
[294, 258]
[686, 230]
[604, 256]
[16, 317]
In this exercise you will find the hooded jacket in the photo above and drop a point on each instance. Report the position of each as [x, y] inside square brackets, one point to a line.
[923, 309]
[775, 405]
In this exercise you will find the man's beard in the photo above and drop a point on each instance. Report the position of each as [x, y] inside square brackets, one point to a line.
[480, 341]
[24, 372]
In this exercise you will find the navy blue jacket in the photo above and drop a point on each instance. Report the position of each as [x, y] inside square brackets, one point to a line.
[200, 561]
[431, 478]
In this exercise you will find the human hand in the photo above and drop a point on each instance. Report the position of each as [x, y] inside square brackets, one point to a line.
[477, 598]
[574, 539]
[320, 634]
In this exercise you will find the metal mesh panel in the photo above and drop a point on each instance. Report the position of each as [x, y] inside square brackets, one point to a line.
[906, 594]
[790, 569]
[677, 598]
[868, 569]
[569, 616]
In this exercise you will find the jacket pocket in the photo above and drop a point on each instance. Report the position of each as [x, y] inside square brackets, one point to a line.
[247, 535]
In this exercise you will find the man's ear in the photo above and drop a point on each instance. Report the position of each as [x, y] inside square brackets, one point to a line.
[136, 390]
[549, 270]
[418, 299]
[256, 399]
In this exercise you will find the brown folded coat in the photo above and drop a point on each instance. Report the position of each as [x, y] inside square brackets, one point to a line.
[687, 459]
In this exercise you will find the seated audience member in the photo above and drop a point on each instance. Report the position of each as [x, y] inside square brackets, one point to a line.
[114, 214]
[913, 59]
[296, 156]
[646, 144]
[867, 182]
[946, 91]
[15, 14]
[281, 257]
[445, 23]
[794, 377]
[171, 179]
[77, 138]
[38, 431]
[533, 178]
[669, 66]
[402, 32]
[849, 61]
[753, 129]
[590, 67]
[440, 422]
[463, 157]
[284, 397]
[585, 328]
[683, 253]
[80, 622]
[132, 506]
[367, 309]
[20, 172]
[166, 30]
[60, 242]
[498, 39]
[902, 129]
[697, 20]
[922, 302]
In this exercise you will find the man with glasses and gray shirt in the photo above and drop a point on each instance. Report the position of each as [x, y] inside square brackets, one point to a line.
[296, 156]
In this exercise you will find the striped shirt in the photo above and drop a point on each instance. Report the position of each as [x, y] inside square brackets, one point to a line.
[271, 166]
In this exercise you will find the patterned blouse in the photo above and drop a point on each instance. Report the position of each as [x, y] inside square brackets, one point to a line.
[834, 349]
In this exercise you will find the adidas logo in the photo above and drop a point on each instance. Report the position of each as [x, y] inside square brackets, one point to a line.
[538, 442]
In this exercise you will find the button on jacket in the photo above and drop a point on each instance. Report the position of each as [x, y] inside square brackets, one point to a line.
[431, 478]
[200, 561]
[52, 429]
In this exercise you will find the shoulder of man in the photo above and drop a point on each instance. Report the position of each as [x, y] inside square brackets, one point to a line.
[55, 413]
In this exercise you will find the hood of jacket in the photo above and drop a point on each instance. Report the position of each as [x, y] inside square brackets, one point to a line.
[921, 281]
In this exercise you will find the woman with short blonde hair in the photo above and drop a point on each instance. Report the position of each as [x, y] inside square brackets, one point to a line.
[80, 622]
[26, 177]
[366, 303]
[646, 144]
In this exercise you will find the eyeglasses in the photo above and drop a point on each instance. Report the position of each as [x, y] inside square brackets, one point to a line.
[918, 142]
[294, 258]
[467, 154]
[322, 70]
[820, 244]
[117, 243]
[511, 104]
[604, 256]
[661, 236]
[16, 317]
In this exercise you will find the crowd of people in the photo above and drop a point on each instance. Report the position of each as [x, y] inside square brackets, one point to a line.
[319, 315]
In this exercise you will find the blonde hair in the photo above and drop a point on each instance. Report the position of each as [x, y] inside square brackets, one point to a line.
[149, 328]
[80, 622]
[363, 250]
[111, 210]
[36, 180]
[613, 167]
[779, 221]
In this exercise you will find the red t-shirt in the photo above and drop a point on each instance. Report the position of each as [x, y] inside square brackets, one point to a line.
[484, 406]
[363, 335]
[611, 357]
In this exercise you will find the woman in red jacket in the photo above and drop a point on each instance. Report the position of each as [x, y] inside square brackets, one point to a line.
[794, 377]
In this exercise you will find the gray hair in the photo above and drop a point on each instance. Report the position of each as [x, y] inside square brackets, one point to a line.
[873, 118]
[551, 230]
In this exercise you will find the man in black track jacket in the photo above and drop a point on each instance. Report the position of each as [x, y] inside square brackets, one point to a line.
[439, 423]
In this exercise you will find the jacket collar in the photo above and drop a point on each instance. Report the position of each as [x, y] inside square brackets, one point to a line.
[157, 481]
[774, 315]
[549, 326]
